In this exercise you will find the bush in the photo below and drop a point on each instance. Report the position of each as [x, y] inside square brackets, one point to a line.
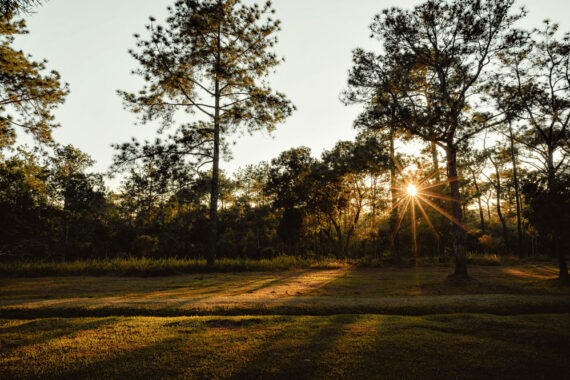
[144, 246]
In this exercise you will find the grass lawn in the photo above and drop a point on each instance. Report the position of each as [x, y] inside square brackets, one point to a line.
[332, 323]
[288, 347]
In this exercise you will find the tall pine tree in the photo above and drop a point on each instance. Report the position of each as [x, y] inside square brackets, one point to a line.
[213, 59]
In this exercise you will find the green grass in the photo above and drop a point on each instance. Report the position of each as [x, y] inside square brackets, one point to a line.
[145, 267]
[148, 267]
[413, 291]
[288, 347]
[345, 322]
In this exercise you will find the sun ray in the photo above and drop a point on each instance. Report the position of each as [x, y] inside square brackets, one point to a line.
[427, 218]
[402, 216]
[398, 202]
[400, 169]
[436, 195]
[427, 178]
[440, 183]
[413, 206]
[442, 212]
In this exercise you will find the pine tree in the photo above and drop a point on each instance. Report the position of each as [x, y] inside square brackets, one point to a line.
[212, 58]
[28, 95]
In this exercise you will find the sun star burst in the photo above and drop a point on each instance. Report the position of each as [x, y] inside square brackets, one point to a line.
[415, 191]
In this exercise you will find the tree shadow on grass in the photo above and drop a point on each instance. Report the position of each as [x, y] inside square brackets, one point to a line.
[294, 353]
[44, 330]
[460, 346]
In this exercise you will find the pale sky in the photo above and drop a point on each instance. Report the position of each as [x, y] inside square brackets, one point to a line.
[87, 42]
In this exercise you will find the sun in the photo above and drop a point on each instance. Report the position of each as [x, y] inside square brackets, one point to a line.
[414, 193]
[412, 190]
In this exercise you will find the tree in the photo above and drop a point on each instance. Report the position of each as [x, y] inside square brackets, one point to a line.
[28, 95]
[288, 185]
[549, 212]
[474, 163]
[498, 156]
[81, 196]
[213, 58]
[427, 79]
[373, 122]
[11, 7]
[536, 88]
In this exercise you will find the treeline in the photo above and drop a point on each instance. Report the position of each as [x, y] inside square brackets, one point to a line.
[338, 205]
[485, 106]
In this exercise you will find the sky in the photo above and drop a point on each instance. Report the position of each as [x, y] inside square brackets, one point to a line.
[88, 41]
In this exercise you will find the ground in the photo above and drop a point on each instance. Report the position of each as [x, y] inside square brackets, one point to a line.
[343, 323]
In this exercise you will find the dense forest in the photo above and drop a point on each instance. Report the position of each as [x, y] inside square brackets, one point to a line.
[462, 144]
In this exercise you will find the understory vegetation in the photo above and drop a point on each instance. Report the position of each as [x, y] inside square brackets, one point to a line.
[135, 266]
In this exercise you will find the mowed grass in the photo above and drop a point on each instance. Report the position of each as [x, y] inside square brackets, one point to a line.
[417, 291]
[288, 347]
[347, 322]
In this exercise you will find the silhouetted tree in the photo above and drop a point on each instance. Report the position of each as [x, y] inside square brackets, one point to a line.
[427, 79]
[536, 88]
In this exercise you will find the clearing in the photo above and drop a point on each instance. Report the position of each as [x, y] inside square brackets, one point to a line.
[342, 323]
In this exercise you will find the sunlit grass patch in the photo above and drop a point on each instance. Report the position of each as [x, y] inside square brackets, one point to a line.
[396, 290]
[288, 347]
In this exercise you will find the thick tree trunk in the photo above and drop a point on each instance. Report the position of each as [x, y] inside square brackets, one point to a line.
[517, 193]
[458, 232]
[561, 253]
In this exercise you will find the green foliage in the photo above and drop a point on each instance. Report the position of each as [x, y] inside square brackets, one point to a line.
[213, 57]
[28, 95]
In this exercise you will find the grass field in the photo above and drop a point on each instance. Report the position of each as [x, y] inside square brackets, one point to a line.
[514, 322]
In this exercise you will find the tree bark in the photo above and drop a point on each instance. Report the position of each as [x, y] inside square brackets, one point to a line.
[394, 242]
[435, 160]
[214, 191]
[458, 232]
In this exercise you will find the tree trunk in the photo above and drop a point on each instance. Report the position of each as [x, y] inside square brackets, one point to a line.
[353, 226]
[499, 212]
[435, 160]
[394, 242]
[561, 253]
[458, 232]
[517, 193]
[479, 202]
[214, 191]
